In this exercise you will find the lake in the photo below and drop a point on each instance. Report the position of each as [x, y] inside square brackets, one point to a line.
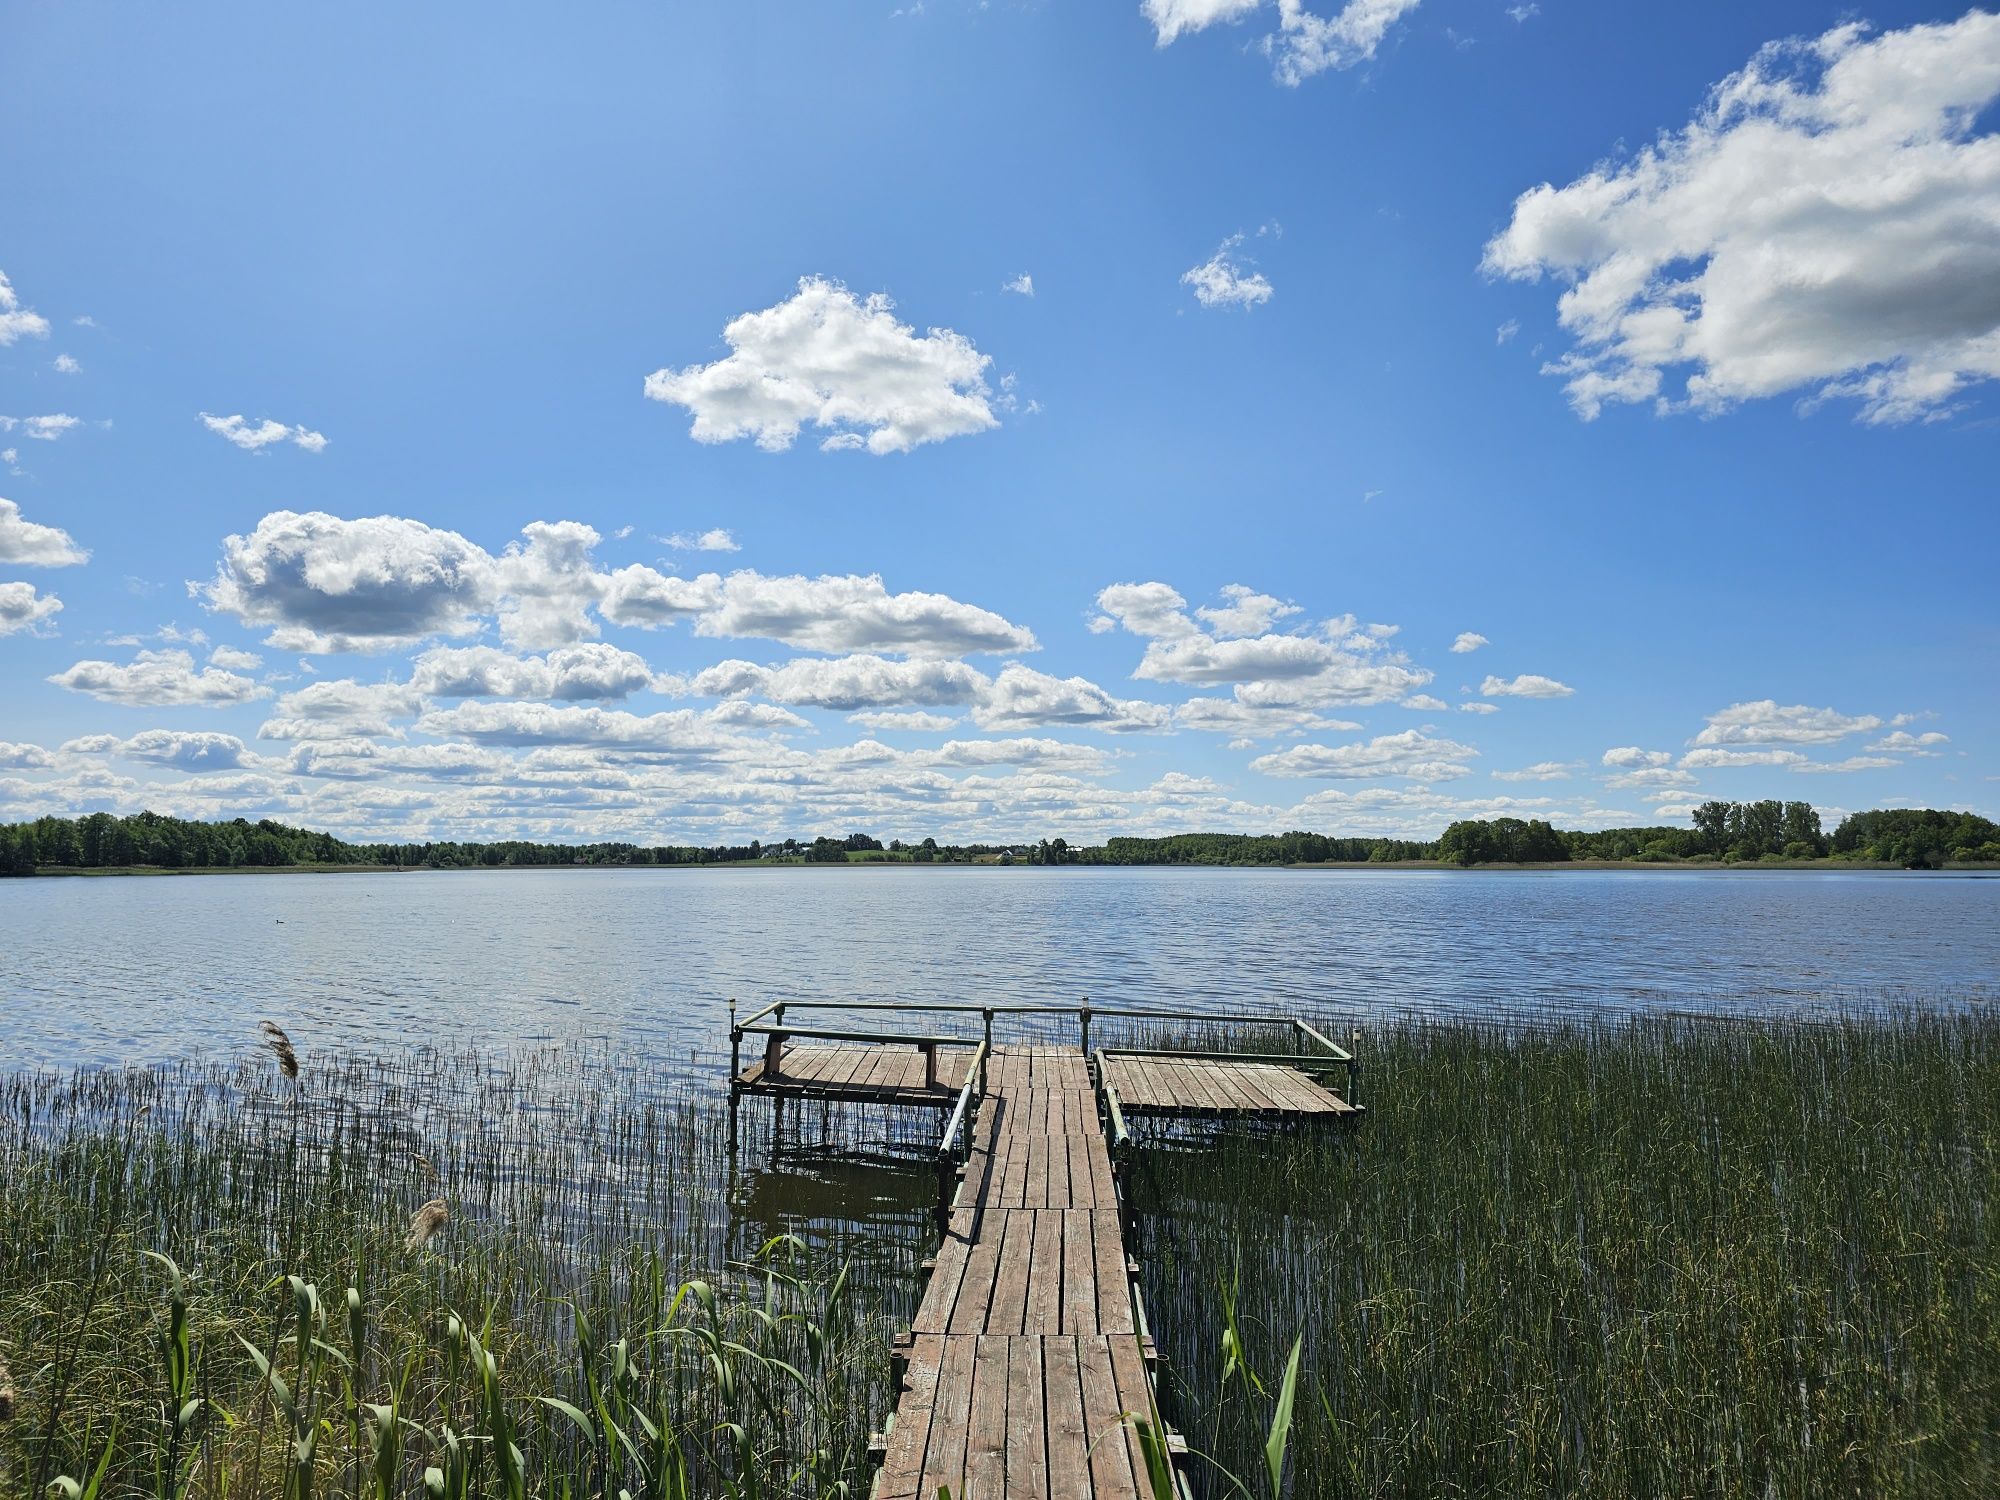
[115, 970]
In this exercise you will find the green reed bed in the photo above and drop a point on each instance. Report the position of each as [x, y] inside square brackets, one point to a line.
[1666, 1258]
[590, 1304]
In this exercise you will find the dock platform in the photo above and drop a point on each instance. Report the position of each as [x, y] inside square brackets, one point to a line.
[1146, 1083]
[1028, 1365]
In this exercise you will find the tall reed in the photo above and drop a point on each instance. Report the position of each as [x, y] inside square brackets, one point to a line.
[1657, 1258]
[337, 1280]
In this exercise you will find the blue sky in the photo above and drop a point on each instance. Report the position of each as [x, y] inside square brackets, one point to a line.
[1700, 439]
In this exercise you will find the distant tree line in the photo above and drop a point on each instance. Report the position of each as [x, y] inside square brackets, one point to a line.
[102, 841]
[1295, 848]
[1917, 837]
[1733, 831]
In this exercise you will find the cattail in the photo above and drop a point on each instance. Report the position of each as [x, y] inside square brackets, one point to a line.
[281, 1047]
[426, 1222]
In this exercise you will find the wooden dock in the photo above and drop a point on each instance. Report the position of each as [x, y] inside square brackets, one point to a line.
[1025, 1354]
[1029, 1363]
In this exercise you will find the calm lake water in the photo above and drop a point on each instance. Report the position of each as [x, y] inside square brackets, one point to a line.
[105, 971]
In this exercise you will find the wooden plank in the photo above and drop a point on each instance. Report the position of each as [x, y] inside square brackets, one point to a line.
[1035, 1186]
[1010, 1283]
[1294, 1092]
[1014, 1187]
[1249, 1078]
[1202, 1084]
[1045, 1300]
[1110, 1459]
[986, 1427]
[1027, 1422]
[802, 1063]
[859, 1060]
[944, 1454]
[1171, 1088]
[947, 1281]
[982, 1267]
[1068, 1436]
[903, 1466]
[1079, 1265]
[1156, 1087]
[1077, 1153]
[1135, 1394]
[1114, 1285]
[1224, 1082]
[1055, 1153]
[1103, 1188]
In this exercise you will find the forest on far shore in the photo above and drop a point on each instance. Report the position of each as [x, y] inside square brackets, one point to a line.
[1723, 832]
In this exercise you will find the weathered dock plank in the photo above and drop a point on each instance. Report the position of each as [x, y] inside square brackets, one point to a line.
[1217, 1087]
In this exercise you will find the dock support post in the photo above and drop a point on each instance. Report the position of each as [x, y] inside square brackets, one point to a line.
[929, 1049]
[1083, 1014]
[986, 1017]
[735, 1071]
[774, 1046]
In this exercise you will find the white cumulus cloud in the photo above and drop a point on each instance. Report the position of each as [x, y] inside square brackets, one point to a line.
[23, 608]
[590, 671]
[852, 612]
[1527, 685]
[1412, 754]
[908, 721]
[1902, 742]
[186, 750]
[44, 429]
[1176, 18]
[1305, 42]
[320, 583]
[1469, 640]
[715, 539]
[841, 363]
[159, 679]
[338, 708]
[251, 436]
[1541, 770]
[1828, 222]
[17, 321]
[36, 546]
[861, 681]
[1308, 44]
[1022, 698]
[1764, 722]
[1223, 281]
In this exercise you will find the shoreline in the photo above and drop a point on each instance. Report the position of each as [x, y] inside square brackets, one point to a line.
[1819, 866]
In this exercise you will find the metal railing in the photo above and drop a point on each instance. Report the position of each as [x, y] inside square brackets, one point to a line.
[1083, 1011]
[955, 1144]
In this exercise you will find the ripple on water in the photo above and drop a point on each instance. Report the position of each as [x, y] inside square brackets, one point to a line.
[109, 971]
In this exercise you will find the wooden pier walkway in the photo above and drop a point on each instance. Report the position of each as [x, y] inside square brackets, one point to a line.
[1025, 1354]
[1029, 1358]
